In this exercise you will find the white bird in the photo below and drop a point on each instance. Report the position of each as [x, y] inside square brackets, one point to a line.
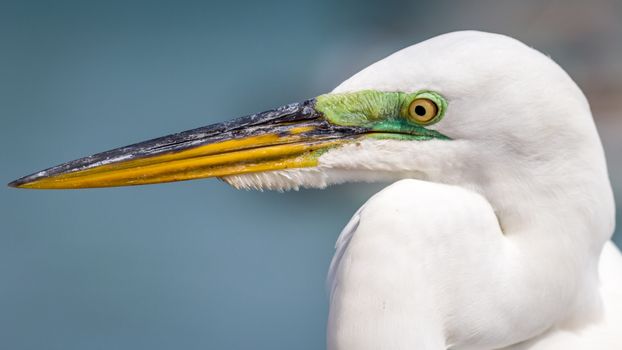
[497, 231]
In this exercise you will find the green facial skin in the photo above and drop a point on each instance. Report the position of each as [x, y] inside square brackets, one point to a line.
[384, 113]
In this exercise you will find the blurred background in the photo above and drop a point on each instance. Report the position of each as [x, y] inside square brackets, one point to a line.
[198, 265]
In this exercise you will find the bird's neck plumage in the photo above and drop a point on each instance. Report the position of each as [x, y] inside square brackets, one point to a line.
[558, 213]
[561, 198]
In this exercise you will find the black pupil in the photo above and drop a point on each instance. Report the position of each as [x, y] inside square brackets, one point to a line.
[420, 110]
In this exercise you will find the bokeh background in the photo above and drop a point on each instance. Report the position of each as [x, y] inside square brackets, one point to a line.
[198, 265]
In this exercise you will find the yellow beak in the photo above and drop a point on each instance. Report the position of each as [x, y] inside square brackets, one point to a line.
[292, 136]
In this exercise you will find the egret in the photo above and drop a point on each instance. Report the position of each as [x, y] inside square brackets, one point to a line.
[496, 232]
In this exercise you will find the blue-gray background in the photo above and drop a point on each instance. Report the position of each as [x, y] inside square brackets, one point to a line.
[198, 265]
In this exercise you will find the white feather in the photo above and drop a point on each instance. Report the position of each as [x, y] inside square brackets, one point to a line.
[502, 244]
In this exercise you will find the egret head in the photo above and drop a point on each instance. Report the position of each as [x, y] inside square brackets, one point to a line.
[455, 108]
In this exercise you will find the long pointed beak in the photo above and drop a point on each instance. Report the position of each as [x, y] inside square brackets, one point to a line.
[291, 136]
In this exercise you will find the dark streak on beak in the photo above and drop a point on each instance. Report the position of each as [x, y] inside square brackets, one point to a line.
[277, 121]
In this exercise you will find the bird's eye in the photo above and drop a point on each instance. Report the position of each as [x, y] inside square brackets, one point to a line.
[422, 110]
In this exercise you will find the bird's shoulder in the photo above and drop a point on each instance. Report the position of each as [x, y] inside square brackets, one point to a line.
[431, 196]
[414, 207]
[422, 208]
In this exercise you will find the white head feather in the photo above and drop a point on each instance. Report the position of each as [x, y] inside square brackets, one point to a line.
[522, 136]
[519, 126]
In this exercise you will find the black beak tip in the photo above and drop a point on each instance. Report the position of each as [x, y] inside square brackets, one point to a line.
[14, 184]
[21, 181]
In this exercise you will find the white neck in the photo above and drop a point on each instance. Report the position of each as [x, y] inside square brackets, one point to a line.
[555, 222]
